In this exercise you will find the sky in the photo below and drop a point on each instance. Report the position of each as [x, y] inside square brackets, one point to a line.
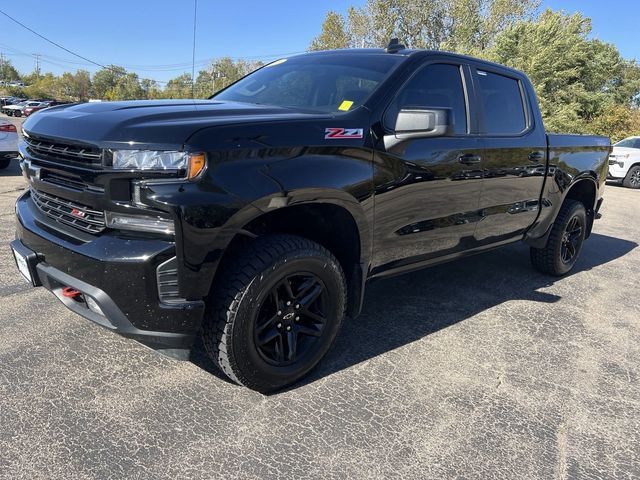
[154, 37]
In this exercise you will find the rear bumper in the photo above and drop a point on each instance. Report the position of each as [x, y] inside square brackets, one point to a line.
[118, 273]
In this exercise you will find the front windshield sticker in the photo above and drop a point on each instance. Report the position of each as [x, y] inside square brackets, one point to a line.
[345, 105]
[337, 133]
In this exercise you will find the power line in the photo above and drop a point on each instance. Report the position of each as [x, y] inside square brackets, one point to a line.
[51, 41]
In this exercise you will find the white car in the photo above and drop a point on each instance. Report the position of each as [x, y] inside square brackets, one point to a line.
[8, 143]
[624, 162]
[16, 110]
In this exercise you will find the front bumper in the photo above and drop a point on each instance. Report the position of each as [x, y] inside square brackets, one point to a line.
[616, 172]
[117, 272]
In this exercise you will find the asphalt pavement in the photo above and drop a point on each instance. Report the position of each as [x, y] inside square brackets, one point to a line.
[480, 368]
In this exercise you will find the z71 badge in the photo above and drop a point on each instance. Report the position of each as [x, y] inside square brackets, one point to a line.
[335, 133]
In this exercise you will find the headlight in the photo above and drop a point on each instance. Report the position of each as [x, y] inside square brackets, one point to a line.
[144, 223]
[193, 163]
[149, 160]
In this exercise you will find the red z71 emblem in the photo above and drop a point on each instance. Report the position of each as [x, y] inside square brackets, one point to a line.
[77, 213]
[335, 132]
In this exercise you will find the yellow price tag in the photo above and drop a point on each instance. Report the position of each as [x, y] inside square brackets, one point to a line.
[345, 105]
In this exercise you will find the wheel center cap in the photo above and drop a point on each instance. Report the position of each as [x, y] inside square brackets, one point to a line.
[288, 316]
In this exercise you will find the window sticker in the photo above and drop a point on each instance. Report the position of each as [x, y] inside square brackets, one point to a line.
[345, 105]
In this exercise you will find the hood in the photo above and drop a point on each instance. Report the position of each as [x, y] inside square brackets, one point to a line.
[150, 122]
[625, 151]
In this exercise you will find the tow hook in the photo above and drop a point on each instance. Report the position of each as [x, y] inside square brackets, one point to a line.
[70, 292]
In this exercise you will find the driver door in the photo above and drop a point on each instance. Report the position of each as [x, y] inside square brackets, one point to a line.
[427, 190]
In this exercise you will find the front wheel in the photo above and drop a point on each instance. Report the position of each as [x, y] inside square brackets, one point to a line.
[275, 311]
[565, 241]
[632, 180]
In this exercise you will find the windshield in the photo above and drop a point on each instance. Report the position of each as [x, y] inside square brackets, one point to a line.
[325, 83]
[633, 142]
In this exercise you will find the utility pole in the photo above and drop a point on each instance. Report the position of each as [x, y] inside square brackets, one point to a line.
[215, 74]
[37, 57]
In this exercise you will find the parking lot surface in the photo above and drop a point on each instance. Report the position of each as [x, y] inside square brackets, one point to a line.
[480, 368]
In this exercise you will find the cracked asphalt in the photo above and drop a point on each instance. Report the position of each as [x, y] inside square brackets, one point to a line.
[479, 368]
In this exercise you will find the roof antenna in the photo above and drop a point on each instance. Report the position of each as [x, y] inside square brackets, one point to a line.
[394, 46]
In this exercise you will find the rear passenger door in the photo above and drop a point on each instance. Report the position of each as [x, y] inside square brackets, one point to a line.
[513, 153]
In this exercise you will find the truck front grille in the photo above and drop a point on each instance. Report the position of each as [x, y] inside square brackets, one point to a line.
[53, 151]
[69, 213]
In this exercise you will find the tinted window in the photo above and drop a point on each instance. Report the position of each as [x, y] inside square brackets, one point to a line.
[327, 83]
[628, 143]
[502, 101]
[435, 86]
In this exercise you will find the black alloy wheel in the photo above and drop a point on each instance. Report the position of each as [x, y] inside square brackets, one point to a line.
[565, 241]
[274, 311]
[571, 239]
[291, 319]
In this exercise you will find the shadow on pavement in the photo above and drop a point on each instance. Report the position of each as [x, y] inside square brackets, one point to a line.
[403, 309]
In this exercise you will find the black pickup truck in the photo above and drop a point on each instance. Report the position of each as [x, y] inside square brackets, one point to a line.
[256, 218]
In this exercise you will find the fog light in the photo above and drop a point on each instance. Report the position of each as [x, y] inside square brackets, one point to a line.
[93, 305]
[139, 223]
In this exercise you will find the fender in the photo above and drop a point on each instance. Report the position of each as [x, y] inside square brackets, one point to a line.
[539, 232]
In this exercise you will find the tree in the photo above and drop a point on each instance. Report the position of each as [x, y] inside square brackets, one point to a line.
[150, 88]
[179, 87]
[466, 26]
[222, 73]
[576, 78]
[82, 85]
[76, 87]
[46, 86]
[7, 71]
[105, 80]
[616, 121]
[333, 35]
[127, 87]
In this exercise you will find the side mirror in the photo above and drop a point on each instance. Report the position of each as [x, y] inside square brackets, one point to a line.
[420, 123]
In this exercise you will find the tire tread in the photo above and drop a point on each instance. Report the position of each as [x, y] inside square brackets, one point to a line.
[238, 274]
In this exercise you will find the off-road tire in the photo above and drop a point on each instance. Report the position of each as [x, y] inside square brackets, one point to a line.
[549, 259]
[240, 289]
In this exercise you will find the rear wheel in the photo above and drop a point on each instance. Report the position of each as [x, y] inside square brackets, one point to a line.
[565, 241]
[632, 180]
[275, 312]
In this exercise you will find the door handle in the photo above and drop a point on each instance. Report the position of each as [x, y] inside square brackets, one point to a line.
[469, 159]
[535, 156]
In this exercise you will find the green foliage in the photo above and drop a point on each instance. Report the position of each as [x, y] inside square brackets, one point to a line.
[334, 33]
[105, 80]
[44, 86]
[466, 26]
[222, 73]
[617, 121]
[7, 72]
[179, 87]
[577, 79]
